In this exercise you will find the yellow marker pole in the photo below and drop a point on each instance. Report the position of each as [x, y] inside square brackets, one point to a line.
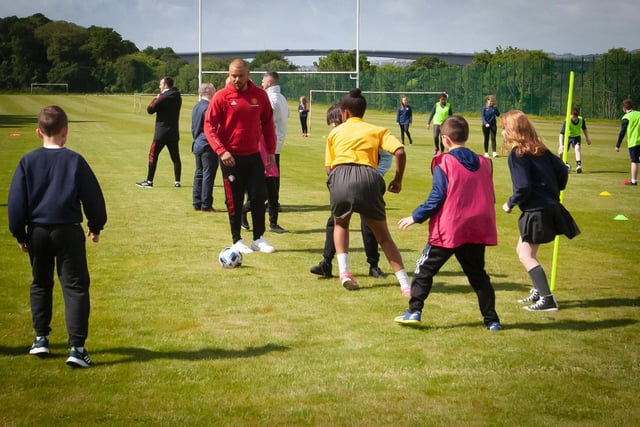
[565, 150]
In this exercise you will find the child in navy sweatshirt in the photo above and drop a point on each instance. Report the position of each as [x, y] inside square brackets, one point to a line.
[50, 189]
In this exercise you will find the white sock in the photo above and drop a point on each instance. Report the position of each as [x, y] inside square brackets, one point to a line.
[79, 349]
[403, 278]
[343, 263]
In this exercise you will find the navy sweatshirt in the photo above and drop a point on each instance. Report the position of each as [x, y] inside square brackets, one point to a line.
[52, 187]
[537, 180]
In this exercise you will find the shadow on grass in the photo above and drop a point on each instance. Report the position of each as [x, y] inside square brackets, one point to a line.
[600, 303]
[57, 351]
[560, 325]
[17, 120]
[305, 208]
[12, 121]
[573, 325]
[603, 171]
[136, 354]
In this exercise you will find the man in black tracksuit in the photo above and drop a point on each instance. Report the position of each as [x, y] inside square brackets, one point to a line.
[166, 106]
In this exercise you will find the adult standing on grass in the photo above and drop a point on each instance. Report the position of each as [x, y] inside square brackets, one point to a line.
[270, 83]
[577, 125]
[462, 222]
[440, 111]
[351, 160]
[404, 117]
[206, 158]
[50, 189]
[166, 106]
[237, 116]
[631, 128]
[489, 124]
[537, 176]
[303, 112]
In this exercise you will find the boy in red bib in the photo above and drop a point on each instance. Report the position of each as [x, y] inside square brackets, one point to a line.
[462, 222]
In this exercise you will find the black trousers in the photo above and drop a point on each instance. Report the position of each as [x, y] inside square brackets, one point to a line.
[60, 247]
[368, 239]
[247, 176]
[273, 197]
[203, 179]
[471, 258]
[154, 153]
[437, 139]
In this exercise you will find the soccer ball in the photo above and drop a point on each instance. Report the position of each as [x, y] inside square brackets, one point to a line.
[230, 258]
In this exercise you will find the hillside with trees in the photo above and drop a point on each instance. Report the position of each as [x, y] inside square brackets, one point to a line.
[36, 49]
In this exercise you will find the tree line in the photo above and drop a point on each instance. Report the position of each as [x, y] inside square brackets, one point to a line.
[36, 49]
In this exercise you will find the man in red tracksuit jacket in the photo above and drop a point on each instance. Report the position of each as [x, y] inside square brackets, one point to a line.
[236, 118]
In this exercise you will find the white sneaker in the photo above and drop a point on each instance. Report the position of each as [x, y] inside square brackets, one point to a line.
[262, 245]
[486, 155]
[242, 247]
[495, 154]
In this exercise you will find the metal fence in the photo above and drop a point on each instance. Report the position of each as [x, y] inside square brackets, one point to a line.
[538, 88]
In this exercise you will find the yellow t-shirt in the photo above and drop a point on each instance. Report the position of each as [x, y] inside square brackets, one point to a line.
[357, 142]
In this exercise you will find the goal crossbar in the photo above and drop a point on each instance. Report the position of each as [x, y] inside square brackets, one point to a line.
[383, 92]
[65, 85]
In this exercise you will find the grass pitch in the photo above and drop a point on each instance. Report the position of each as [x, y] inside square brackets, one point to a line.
[178, 340]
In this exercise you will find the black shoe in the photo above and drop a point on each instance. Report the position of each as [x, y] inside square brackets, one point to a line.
[245, 224]
[374, 271]
[322, 269]
[277, 229]
[546, 303]
[145, 184]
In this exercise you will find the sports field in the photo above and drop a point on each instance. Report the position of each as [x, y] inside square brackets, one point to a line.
[177, 340]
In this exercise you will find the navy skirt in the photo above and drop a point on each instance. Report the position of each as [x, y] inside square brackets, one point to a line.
[544, 225]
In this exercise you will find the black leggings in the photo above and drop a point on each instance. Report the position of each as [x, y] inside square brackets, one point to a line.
[303, 124]
[489, 131]
[405, 129]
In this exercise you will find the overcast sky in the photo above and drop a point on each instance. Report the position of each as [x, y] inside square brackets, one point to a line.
[579, 27]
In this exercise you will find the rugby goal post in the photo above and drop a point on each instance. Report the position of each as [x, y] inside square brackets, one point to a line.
[63, 85]
[382, 92]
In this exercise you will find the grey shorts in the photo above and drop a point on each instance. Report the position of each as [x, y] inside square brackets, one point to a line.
[356, 188]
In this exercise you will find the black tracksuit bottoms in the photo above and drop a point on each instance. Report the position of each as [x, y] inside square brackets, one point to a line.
[471, 259]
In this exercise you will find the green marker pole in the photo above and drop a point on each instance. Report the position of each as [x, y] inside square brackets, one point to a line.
[565, 150]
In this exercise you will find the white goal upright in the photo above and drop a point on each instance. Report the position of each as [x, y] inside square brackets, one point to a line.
[65, 86]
